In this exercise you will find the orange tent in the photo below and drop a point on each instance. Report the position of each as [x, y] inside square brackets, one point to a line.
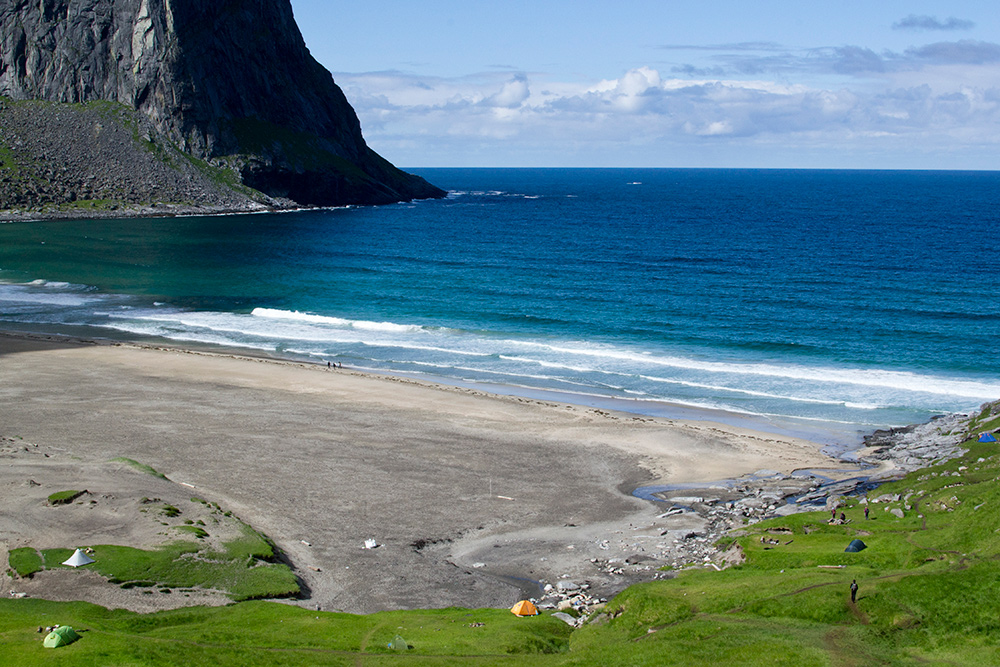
[524, 608]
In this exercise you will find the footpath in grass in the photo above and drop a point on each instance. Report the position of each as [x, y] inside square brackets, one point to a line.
[928, 583]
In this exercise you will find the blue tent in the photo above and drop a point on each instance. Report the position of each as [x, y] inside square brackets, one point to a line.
[987, 437]
[855, 546]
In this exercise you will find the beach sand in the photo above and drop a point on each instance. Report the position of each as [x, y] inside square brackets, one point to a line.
[472, 497]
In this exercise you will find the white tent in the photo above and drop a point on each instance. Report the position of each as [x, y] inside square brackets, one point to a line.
[77, 559]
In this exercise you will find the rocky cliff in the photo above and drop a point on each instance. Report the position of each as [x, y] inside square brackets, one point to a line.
[227, 82]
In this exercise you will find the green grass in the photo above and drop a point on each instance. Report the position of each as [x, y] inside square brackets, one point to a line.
[64, 497]
[141, 467]
[928, 588]
[8, 162]
[266, 633]
[244, 568]
[91, 205]
[185, 564]
[200, 533]
[24, 561]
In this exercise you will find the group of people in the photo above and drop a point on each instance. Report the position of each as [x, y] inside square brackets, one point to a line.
[843, 517]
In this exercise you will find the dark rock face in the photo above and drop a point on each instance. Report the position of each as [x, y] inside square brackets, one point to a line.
[229, 81]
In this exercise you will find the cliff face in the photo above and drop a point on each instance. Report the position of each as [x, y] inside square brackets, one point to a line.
[229, 81]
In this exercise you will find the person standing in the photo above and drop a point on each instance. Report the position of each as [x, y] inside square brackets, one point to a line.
[854, 590]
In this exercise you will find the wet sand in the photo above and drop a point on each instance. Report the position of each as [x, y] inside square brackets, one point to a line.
[472, 496]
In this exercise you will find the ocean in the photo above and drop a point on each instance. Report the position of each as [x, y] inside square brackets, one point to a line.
[818, 303]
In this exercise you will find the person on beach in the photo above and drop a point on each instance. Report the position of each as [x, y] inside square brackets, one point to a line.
[854, 590]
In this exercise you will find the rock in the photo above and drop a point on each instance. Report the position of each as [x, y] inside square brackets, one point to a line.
[565, 618]
[687, 500]
[751, 503]
[566, 585]
[896, 512]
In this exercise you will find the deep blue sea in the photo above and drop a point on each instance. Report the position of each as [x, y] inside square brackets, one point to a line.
[832, 302]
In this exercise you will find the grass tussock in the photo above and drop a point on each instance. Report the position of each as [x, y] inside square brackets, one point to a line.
[141, 467]
[64, 497]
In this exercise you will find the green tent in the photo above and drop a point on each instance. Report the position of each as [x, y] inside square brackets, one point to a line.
[60, 637]
[855, 546]
[398, 644]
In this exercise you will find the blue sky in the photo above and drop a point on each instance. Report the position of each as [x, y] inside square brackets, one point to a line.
[873, 84]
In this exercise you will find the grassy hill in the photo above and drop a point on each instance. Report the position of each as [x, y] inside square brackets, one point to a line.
[928, 585]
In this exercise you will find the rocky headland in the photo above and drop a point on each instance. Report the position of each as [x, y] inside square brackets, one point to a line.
[132, 107]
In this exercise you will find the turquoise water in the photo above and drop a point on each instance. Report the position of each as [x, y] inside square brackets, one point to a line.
[830, 300]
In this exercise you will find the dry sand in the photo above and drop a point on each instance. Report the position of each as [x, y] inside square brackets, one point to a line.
[473, 497]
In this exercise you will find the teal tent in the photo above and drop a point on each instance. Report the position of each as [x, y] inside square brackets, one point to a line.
[60, 637]
[855, 546]
[987, 437]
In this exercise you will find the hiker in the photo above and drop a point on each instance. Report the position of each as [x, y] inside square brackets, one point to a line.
[854, 589]
[843, 519]
[833, 514]
[866, 512]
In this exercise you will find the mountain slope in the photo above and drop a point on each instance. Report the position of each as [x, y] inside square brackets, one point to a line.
[230, 83]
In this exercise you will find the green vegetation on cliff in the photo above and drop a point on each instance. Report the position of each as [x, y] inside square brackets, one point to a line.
[100, 158]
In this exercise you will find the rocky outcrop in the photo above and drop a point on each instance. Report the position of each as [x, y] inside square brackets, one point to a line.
[231, 83]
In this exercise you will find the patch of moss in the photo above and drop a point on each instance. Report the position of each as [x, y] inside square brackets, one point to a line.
[64, 497]
[25, 561]
[8, 163]
[141, 467]
[198, 532]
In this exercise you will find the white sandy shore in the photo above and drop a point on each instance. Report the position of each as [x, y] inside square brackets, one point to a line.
[331, 458]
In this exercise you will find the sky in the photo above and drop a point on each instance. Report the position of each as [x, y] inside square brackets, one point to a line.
[874, 84]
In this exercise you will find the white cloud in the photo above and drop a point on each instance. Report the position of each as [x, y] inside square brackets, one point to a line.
[859, 101]
[513, 93]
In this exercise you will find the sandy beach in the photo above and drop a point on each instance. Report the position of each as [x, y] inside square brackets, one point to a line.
[472, 497]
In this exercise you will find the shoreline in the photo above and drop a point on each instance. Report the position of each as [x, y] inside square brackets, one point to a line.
[475, 499]
[332, 458]
[836, 442]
